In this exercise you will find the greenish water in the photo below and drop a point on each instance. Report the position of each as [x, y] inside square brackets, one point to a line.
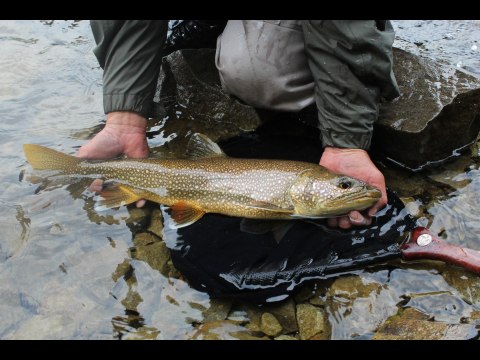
[68, 272]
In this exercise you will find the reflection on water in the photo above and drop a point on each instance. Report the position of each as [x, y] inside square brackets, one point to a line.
[68, 271]
[456, 218]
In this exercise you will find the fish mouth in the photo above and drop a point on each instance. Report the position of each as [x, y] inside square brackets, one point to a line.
[358, 201]
[370, 194]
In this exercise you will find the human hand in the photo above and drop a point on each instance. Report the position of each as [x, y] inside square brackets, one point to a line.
[123, 134]
[357, 164]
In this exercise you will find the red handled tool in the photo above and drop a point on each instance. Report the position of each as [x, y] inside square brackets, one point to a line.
[423, 244]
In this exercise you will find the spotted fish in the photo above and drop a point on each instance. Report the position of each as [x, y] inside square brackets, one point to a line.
[207, 181]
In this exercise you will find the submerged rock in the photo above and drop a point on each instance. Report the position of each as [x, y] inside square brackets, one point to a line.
[466, 283]
[285, 314]
[189, 90]
[413, 325]
[310, 321]
[218, 310]
[285, 337]
[153, 251]
[352, 287]
[437, 114]
[224, 330]
[156, 223]
[270, 325]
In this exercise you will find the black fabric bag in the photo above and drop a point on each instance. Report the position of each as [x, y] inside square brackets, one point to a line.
[216, 256]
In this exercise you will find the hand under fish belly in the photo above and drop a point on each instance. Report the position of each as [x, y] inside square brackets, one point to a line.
[207, 181]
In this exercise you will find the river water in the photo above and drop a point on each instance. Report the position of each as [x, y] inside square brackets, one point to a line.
[68, 272]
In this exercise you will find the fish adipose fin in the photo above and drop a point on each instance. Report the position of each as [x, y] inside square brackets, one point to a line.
[184, 214]
[43, 158]
[200, 146]
[115, 196]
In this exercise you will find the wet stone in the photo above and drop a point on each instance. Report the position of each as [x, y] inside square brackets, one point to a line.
[57, 229]
[189, 89]
[154, 252]
[411, 324]
[413, 206]
[137, 215]
[466, 283]
[144, 239]
[285, 337]
[320, 296]
[436, 99]
[142, 333]
[406, 184]
[475, 315]
[284, 312]
[225, 330]
[304, 293]
[131, 300]
[254, 314]
[414, 314]
[239, 316]
[310, 320]
[452, 174]
[121, 270]
[218, 310]
[403, 328]
[156, 223]
[270, 325]
[474, 318]
[352, 287]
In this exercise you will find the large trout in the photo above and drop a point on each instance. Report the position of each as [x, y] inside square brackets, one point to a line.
[207, 181]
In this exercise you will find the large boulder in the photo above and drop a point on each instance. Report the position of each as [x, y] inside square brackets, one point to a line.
[190, 96]
[437, 114]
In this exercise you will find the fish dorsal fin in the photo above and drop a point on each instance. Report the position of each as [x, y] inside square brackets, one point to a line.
[116, 195]
[184, 214]
[200, 147]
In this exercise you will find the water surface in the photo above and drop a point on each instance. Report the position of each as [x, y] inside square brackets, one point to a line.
[68, 272]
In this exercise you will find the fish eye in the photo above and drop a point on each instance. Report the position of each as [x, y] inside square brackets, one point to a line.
[345, 184]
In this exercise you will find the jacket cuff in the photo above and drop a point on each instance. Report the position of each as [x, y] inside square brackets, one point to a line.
[346, 140]
[122, 102]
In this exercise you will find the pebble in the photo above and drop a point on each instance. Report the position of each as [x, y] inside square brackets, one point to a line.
[269, 325]
[310, 321]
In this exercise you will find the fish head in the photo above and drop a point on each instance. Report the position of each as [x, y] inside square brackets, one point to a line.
[318, 194]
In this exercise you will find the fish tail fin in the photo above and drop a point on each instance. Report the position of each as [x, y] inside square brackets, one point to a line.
[43, 158]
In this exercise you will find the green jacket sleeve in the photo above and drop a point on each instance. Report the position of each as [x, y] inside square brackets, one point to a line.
[351, 62]
[130, 52]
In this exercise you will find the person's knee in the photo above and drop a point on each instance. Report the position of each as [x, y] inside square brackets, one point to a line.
[264, 65]
[283, 89]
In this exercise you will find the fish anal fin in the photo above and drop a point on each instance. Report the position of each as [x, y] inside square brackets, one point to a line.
[117, 195]
[200, 146]
[184, 214]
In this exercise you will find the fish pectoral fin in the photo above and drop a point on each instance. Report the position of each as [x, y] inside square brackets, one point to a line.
[184, 214]
[279, 228]
[116, 195]
[263, 205]
[200, 146]
[299, 216]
